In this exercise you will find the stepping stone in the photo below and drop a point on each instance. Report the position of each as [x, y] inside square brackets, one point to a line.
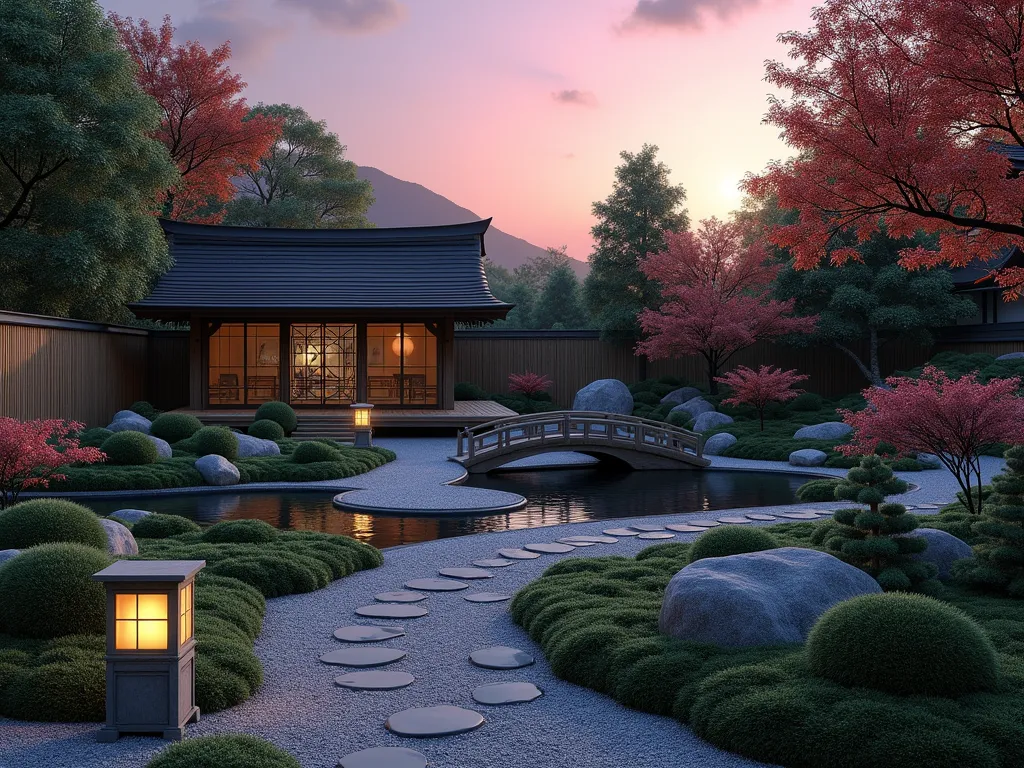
[384, 757]
[595, 539]
[391, 611]
[734, 520]
[362, 633]
[764, 518]
[552, 548]
[679, 528]
[648, 528]
[518, 554]
[466, 573]
[436, 585]
[487, 597]
[494, 562]
[927, 506]
[506, 693]
[425, 722]
[909, 506]
[400, 597]
[363, 657]
[621, 532]
[822, 511]
[501, 657]
[799, 515]
[704, 523]
[375, 680]
[657, 535]
[577, 542]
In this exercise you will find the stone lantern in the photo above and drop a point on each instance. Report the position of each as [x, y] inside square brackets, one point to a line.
[361, 421]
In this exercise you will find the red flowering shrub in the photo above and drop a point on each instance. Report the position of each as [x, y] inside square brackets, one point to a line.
[31, 452]
[529, 384]
[760, 387]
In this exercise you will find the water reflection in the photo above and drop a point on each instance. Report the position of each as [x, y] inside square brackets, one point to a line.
[553, 497]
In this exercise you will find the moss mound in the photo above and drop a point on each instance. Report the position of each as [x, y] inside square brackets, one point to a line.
[157, 526]
[226, 750]
[903, 644]
[130, 449]
[173, 427]
[44, 521]
[265, 429]
[817, 490]
[240, 532]
[144, 409]
[731, 540]
[212, 440]
[281, 413]
[93, 438]
[48, 591]
[71, 689]
[314, 451]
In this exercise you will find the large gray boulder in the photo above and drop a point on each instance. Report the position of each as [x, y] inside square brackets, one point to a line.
[681, 395]
[120, 541]
[120, 415]
[760, 598]
[929, 460]
[710, 420]
[163, 448]
[943, 549]
[606, 396]
[7, 554]
[130, 515]
[829, 430]
[716, 444]
[808, 457]
[249, 446]
[133, 423]
[216, 470]
[695, 406]
[1011, 356]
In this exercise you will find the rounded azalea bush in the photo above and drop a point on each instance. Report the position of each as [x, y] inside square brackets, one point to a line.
[312, 451]
[42, 521]
[731, 540]
[225, 750]
[282, 413]
[173, 427]
[240, 532]
[266, 429]
[130, 449]
[157, 526]
[214, 440]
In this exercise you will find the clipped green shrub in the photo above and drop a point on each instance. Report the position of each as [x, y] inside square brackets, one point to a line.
[173, 427]
[817, 490]
[678, 419]
[213, 440]
[44, 521]
[280, 412]
[464, 390]
[909, 645]
[648, 398]
[240, 532]
[805, 401]
[731, 540]
[94, 437]
[144, 409]
[312, 451]
[157, 526]
[71, 690]
[130, 449]
[225, 750]
[48, 591]
[265, 429]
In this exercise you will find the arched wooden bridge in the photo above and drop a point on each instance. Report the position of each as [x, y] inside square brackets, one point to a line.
[640, 443]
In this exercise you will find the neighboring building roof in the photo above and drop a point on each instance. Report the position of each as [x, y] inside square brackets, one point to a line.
[977, 273]
[1012, 151]
[393, 272]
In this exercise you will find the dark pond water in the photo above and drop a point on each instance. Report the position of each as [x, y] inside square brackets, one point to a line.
[553, 497]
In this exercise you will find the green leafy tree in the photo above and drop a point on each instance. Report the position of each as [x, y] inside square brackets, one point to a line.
[560, 303]
[874, 539]
[631, 224]
[79, 173]
[304, 181]
[511, 288]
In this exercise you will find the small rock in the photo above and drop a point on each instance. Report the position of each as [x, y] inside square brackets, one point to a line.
[681, 395]
[943, 549]
[216, 470]
[163, 448]
[7, 554]
[710, 420]
[120, 541]
[135, 424]
[1011, 356]
[808, 457]
[716, 444]
[130, 515]
[605, 396]
[929, 460]
[829, 430]
[694, 407]
[249, 446]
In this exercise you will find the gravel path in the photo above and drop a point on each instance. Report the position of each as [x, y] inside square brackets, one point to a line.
[301, 710]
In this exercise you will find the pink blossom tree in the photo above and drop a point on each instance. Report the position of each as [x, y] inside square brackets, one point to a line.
[529, 384]
[31, 452]
[954, 419]
[761, 387]
[715, 297]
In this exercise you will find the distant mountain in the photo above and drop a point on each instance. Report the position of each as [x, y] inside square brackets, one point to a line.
[405, 204]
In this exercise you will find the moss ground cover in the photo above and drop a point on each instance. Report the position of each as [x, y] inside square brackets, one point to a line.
[596, 620]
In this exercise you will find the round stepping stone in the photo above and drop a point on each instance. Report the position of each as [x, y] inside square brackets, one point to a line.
[400, 597]
[686, 528]
[375, 680]
[466, 573]
[506, 693]
[648, 528]
[518, 554]
[436, 585]
[657, 535]
[363, 657]
[595, 539]
[549, 548]
[361, 633]
[384, 757]
[494, 562]
[764, 518]
[391, 611]
[825, 511]
[425, 722]
[799, 515]
[577, 542]
[734, 520]
[704, 523]
[487, 597]
[501, 657]
[621, 532]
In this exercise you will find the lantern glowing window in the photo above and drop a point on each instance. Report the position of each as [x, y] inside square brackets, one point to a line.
[185, 622]
[140, 622]
[402, 346]
[361, 415]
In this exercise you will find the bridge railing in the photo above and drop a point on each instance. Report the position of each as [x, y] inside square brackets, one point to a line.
[568, 427]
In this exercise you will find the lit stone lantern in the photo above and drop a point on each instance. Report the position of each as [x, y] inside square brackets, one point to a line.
[363, 430]
[150, 647]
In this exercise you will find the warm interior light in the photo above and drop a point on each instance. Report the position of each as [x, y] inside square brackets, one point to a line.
[402, 350]
[185, 627]
[362, 417]
[140, 622]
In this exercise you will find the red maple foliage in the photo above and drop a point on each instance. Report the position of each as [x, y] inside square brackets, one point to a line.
[529, 384]
[897, 110]
[31, 452]
[203, 121]
[761, 387]
[954, 419]
[715, 291]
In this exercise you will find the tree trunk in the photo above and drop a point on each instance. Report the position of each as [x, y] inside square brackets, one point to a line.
[872, 374]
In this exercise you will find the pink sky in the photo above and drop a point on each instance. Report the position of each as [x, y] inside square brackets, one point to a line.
[517, 110]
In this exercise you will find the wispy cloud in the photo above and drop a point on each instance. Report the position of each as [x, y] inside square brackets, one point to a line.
[220, 20]
[681, 14]
[351, 16]
[575, 97]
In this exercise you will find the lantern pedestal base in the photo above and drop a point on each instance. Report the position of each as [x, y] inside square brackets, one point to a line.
[364, 438]
[109, 734]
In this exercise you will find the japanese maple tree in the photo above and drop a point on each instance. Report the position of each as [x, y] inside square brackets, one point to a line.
[31, 452]
[529, 384]
[954, 419]
[715, 297]
[203, 117]
[761, 387]
[905, 111]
